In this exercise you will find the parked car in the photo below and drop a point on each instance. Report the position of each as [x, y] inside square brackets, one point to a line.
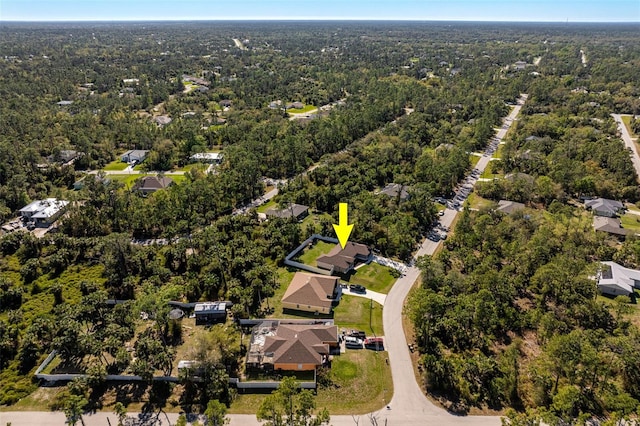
[375, 343]
[353, 342]
[359, 334]
[357, 288]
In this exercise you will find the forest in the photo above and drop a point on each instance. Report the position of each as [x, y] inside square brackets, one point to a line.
[405, 103]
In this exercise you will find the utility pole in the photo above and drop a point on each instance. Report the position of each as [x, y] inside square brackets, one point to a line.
[370, 313]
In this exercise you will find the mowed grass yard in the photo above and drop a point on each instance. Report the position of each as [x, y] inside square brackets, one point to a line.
[631, 221]
[477, 202]
[353, 313]
[306, 108]
[374, 277]
[116, 165]
[129, 179]
[309, 255]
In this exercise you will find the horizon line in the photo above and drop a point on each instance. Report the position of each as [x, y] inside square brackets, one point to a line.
[308, 19]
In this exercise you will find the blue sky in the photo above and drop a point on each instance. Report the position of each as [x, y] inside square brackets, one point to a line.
[465, 10]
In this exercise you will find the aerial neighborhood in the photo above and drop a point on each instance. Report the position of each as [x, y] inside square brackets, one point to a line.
[313, 223]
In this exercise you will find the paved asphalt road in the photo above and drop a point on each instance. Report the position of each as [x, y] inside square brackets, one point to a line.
[409, 406]
[626, 137]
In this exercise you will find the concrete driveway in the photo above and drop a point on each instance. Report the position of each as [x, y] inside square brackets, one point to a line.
[377, 297]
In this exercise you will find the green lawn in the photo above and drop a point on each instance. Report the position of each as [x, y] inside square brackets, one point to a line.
[126, 179]
[477, 202]
[306, 108]
[374, 277]
[115, 166]
[631, 221]
[178, 178]
[189, 167]
[488, 175]
[361, 383]
[266, 206]
[474, 159]
[353, 312]
[275, 302]
[309, 255]
[129, 179]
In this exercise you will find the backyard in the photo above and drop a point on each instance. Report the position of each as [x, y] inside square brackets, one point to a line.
[310, 254]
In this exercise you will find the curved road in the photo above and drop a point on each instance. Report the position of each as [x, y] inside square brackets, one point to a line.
[409, 406]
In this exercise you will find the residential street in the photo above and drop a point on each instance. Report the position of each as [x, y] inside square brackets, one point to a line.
[628, 141]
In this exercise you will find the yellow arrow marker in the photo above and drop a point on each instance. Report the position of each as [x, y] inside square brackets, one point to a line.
[343, 229]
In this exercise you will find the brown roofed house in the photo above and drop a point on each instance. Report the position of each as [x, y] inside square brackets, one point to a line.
[291, 346]
[150, 184]
[344, 260]
[311, 293]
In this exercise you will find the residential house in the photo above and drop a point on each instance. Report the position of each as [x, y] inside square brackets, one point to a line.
[615, 280]
[520, 65]
[275, 104]
[64, 103]
[604, 207]
[342, 261]
[207, 157]
[610, 225]
[312, 293]
[42, 213]
[210, 312]
[65, 156]
[162, 120]
[196, 80]
[134, 156]
[509, 207]
[292, 345]
[225, 103]
[149, 184]
[297, 211]
[395, 190]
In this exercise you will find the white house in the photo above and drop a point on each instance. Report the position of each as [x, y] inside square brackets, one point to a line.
[616, 280]
[207, 157]
[43, 212]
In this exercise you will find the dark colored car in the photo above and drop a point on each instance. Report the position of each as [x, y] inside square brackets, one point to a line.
[357, 288]
[358, 334]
